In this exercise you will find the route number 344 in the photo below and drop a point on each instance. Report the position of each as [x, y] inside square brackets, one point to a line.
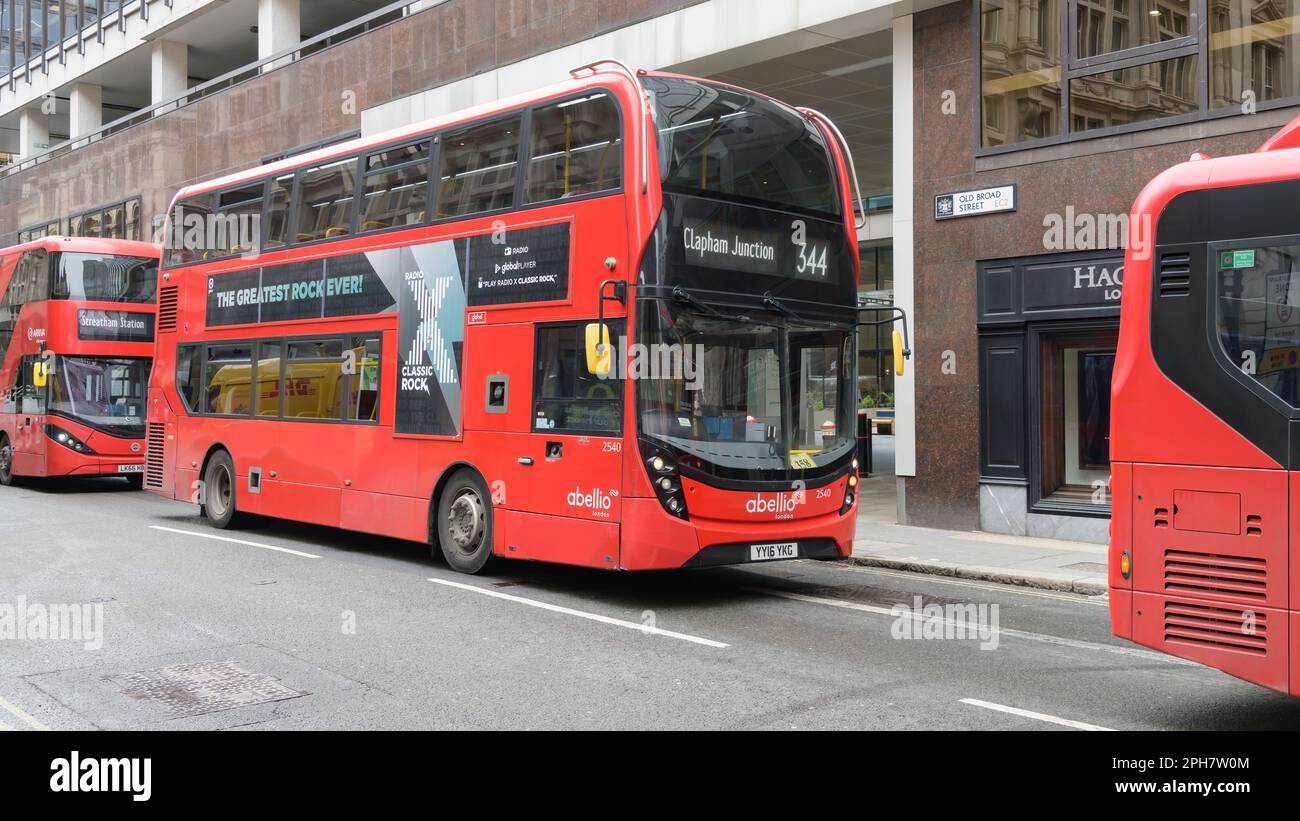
[812, 258]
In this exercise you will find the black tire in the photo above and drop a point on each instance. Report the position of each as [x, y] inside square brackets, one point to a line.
[6, 462]
[218, 498]
[135, 481]
[464, 522]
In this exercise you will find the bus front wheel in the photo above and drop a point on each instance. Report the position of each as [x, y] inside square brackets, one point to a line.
[465, 522]
[6, 461]
[218, 501]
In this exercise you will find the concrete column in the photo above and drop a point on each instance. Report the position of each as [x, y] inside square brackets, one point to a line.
[169, 70]
[87, 109]
[279, 28]
[904, 241]
[33, 132]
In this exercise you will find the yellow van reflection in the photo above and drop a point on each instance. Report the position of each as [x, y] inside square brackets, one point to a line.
[312, 390]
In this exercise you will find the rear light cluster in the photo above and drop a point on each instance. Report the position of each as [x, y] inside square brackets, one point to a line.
[668, 484]
[66, 439]
[850, 490]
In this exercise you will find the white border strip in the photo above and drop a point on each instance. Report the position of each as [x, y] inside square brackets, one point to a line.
[555, 608]
[1016, 711]
[19, 714]
[215, 537]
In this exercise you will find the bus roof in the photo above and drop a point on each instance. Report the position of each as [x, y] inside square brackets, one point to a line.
[602, 77]
[89, 245]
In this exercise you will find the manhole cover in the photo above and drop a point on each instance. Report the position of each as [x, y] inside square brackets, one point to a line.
[187, 690]
[1091, 567]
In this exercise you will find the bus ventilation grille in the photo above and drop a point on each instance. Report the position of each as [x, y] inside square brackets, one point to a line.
[153, 455]
[167, 300]
[1212, 574]
[1217, 627]
[1175, 275]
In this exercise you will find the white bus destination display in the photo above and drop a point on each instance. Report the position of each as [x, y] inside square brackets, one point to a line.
[711, 236]
[114, 326]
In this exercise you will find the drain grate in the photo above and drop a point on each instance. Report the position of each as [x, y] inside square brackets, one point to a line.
[187, 690]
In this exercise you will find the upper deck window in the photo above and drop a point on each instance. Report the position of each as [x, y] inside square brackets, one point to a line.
[575, 148]
[105, 277]
[324, 206]
[478, 167]
[722, 142]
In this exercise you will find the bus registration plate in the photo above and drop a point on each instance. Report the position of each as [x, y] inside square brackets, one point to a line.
[767, 552]
[130, 468]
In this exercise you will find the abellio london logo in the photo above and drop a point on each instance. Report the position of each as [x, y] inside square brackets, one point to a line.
[596, 501]
[777, 504]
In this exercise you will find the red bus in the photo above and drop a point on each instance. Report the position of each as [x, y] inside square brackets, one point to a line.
[1205, 424]
[609, 323]
[76, 340]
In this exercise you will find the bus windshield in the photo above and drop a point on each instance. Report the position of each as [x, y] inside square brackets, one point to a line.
[105, 277]
[725, 143]
[102, 392]
[756, 400]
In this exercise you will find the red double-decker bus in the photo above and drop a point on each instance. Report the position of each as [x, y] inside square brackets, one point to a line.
[1205, 422]
[76, 341]
[609, 323]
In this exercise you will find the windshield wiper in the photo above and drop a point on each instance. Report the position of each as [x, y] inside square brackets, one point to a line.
[685, 297]
[786, 311]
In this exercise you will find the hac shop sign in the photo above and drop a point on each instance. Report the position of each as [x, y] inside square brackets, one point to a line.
[975, 203]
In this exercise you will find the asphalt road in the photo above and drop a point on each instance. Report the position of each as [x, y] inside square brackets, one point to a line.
[292, 626]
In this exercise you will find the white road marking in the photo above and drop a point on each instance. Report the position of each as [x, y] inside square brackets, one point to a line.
[21, 716]
[1078, 644]
[5, 728]
[1074, 598]
[1016, 711]
[555, 608]
[236, 541]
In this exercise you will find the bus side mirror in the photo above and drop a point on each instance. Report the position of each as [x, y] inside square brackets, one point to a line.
[40, 374]
[600, 357]
[898, 353]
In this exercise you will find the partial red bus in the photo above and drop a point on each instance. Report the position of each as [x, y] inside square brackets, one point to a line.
[76, 341]
[1205, 424]
[418, 342]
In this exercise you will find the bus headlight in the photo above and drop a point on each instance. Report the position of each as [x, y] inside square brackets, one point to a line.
[667, 484]
[66, 439]
[850, 490]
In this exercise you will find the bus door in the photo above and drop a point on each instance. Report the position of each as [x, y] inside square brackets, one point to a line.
[29, 406]
[568, 467]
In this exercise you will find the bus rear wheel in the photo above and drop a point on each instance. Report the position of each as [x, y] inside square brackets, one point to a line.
[218, 500]
[6, 462]
[464, 522]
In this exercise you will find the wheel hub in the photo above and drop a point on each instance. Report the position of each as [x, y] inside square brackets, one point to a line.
[466, 521]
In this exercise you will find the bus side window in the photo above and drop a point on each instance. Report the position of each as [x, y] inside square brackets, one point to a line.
[239, 211]
[226, 380]
[188, 383]
[567, 396]
[325, 200]
[364, 355]
[396, 187]
[277, 211]
[313, 379]
[478, 168]
[575, 149]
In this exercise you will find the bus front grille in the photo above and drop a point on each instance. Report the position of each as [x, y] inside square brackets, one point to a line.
[1224, 628]
[153, 455]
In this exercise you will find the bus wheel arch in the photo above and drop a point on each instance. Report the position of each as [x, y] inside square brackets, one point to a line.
[217, 473]
[461, 518]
